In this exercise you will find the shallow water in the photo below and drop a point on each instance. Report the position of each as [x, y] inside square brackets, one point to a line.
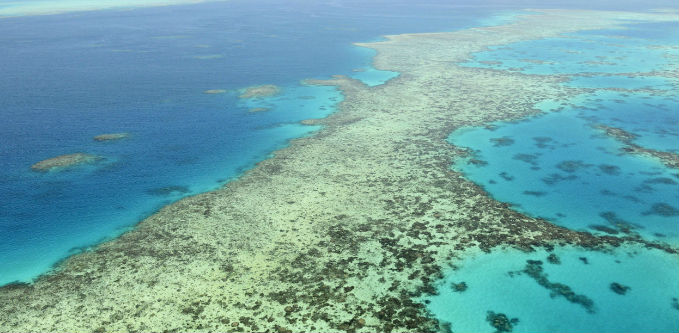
[599, 51]
[563, 167]
[69, 77]
[623, 82]
[498, 282]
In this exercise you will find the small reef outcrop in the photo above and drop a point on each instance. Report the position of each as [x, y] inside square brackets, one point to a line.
[64, 161]
[619, 288]
[255, 110]
[501, 322]
[266, 90]
[214, 91]
[111, 136]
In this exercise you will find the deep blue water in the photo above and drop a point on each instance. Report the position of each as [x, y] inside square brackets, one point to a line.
[69, 77]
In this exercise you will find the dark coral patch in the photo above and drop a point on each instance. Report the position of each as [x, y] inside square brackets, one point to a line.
[502, 142]
[604, 228]
[528, 158]
[535, 270]
[459, 287]
[661, 180]
[543, 142]
[553, 259]
[535, 193]
[662, 209]
[572, 166]
[608, 169]
[555, 178]
[501, 322]
[168, 190]
[506, 176]
[619, 289]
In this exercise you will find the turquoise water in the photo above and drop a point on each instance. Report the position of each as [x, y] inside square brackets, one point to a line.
[589, 52]
[369, 75]
[69, 77]
[562, 167]
[623, 82]
[499, 282]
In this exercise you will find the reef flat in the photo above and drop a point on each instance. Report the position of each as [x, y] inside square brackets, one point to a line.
[340, 231]
[64, 161]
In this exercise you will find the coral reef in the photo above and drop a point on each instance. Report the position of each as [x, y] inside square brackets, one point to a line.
[253, 110]
[343, 230]
[501, 322]
[459, 287]
[619, 289]
[64, 161]
[111, 136]
[535, 270]
[266, 90]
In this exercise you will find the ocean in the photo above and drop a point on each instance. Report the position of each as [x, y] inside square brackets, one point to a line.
[69, 77]
[563, 167]
[171, 77]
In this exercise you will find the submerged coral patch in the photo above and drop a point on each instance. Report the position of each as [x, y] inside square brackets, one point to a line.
[612, 170]
[502, 142]
[169, 190]
[572, 166]
[501, 322]
[619, 288]
[662, 209]
[535, 270]
[459, 287]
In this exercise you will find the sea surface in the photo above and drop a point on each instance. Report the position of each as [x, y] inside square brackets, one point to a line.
[68, 77]
[563, 167]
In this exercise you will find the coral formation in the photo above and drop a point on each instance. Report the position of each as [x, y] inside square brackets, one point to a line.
[619, 289]
[343, 230]
[266, 90]
[111, 136]
[64, 161]
[501, 322]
